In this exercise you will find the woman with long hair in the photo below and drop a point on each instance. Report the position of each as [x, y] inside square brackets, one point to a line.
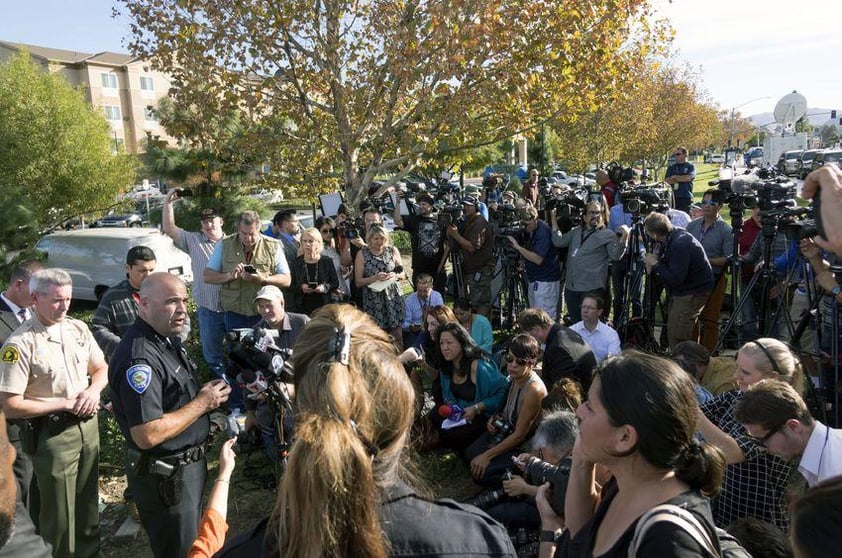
[469, 381]
[755, 481]
[639, 421]
[313, 274]
[331, 241]
[491, 455]
[344, 492]
[431, 359]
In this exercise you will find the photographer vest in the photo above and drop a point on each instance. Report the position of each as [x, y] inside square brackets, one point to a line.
[238, 296]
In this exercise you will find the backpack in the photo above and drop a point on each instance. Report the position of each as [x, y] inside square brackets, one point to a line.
[429, 238]
[725, 546]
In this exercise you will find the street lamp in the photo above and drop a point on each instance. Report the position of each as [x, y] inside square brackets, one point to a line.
[733, 110]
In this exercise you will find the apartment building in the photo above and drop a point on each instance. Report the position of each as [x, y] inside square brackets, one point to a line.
[124, 87]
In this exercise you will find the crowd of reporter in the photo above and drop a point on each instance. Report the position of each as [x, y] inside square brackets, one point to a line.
[595, 449]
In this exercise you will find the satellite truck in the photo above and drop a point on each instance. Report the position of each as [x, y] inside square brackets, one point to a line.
[787, 112]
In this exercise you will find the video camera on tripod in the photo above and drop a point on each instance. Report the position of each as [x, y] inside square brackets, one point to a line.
[643, 200]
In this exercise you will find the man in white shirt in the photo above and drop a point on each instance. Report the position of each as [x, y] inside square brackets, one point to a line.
[775, 415]
[603, 339]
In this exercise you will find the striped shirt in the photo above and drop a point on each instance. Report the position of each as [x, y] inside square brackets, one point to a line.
[200, 248]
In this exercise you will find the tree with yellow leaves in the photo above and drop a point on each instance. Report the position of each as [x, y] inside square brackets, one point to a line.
[337, 93]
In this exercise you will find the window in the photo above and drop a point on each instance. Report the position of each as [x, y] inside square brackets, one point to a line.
[112, 112]
[109, 81]
[147, 87]
[149, 114]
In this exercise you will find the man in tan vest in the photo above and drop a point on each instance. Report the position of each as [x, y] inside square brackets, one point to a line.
[243, 263]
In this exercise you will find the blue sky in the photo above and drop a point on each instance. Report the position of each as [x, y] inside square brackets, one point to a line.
[743, 49]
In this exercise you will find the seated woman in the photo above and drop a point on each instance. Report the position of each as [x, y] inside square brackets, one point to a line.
[470, 381]
[755, 481]
[639, 421]
[343, 492]
[431, 359]
[477, 324]
[553, 441]
[491, 455]
[313, 275]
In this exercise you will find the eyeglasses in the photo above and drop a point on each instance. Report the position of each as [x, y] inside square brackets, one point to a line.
[763, 440]
[522, 361]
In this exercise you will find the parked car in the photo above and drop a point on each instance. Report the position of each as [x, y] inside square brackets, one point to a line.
[805, 162]
[123, 220]
[268, 196]
[788, 163]
[753, 157]
[143, 192]
[825, 157]
[717, 158]
[96, 258]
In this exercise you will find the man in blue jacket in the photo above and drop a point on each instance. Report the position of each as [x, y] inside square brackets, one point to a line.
[683, 266]
[540, 261]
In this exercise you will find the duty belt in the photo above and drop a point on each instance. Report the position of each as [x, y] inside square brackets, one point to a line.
[185, 457]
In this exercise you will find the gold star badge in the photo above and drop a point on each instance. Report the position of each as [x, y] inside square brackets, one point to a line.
[10, 355]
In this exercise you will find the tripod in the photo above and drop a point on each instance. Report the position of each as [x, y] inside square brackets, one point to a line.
[513, 297]
[638, 332]
[459, 289]
[765, 277]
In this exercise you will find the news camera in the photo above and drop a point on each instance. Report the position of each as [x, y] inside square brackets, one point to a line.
[643, 200]
[619, 174]
[536, 473]
[263, 369]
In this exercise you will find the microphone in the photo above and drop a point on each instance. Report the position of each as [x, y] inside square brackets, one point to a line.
[253, 381]
[450, 411]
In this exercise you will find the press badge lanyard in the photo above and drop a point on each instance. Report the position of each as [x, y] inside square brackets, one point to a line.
[584, 238]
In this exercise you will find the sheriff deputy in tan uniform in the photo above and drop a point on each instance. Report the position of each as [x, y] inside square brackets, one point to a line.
[51, 373]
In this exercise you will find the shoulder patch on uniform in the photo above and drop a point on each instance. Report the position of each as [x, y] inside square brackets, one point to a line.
[139, 377]
[11, 355]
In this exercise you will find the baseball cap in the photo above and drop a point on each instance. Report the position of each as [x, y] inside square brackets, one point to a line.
[424, 198]
[469, 200]
[209, 213]
[269, 292]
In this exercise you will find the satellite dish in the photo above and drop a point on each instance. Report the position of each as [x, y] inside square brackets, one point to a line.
[790, 109]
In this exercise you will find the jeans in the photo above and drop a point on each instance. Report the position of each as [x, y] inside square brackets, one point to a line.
[233, 320]
[212, 334]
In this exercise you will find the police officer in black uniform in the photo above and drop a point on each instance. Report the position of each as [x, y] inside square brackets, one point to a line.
[162, 412]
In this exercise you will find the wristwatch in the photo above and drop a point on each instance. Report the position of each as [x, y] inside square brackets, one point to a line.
[550, 536]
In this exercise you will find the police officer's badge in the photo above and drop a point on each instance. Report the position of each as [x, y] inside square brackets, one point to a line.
[139, 377]
[11, 355]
